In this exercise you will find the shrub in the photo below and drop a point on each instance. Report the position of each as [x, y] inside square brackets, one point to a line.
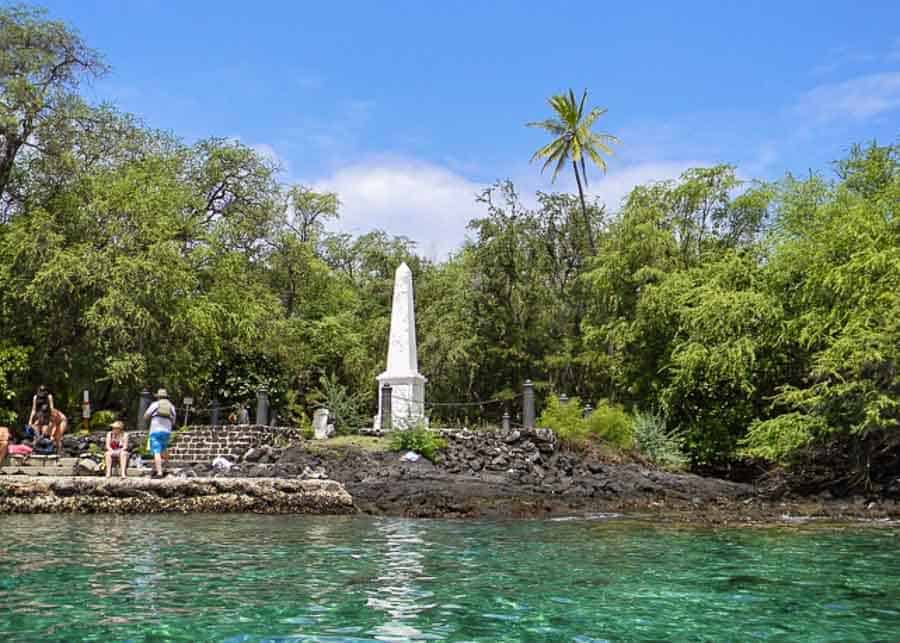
[612, 424]
[418, 439]
[343, 406]
[564, 419]
[608, 422]
[657, 443]
[102, 419]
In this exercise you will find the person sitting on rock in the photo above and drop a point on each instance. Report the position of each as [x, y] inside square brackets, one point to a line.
[58, 425]
[117, 447]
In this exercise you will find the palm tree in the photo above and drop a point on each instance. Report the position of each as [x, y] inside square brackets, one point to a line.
[574, 141]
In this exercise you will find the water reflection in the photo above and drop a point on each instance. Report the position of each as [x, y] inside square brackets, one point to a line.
[398, 589]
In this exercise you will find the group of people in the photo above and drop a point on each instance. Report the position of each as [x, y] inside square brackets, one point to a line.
[161, 415]
[47, 423]
[44, 432]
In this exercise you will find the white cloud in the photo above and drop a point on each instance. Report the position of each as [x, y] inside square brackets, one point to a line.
[268, 152]
[425, 202]
[858, 98]
[612, 188]
[431, 204]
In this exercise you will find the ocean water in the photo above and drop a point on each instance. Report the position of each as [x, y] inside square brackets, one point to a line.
[303, 578]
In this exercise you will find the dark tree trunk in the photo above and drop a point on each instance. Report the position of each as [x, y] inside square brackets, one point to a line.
[584, 214]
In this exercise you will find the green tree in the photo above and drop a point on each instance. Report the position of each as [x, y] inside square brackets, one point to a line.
[835, 265]
[574, 142]
[42, 64]
[308, 210]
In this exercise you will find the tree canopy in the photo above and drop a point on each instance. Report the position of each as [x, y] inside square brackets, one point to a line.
[756, 319]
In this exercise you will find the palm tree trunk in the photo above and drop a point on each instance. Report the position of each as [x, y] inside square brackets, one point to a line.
[584, 214]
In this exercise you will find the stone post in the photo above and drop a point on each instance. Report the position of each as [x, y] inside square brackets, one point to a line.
[563, 399]
[262, 406]
[506, 420]
[145, 400]
[528, 404]
[386, 407]
[320, 424]
[214, 412]
[588, 409]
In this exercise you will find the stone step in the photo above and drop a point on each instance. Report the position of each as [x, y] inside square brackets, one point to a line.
[40, 461]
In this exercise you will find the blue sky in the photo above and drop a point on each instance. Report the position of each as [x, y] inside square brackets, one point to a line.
[407, 109]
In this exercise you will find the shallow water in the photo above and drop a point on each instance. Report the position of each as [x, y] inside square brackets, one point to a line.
[304, 578]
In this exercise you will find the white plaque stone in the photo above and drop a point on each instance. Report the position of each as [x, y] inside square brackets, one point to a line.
[321, 429]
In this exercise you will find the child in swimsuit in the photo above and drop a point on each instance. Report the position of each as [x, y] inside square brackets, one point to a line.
[117, 447]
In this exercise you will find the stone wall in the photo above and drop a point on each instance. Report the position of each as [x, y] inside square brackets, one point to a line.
[516, 451]
[206, 443]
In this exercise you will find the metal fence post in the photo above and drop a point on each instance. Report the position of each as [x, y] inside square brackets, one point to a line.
[386, 420]
[262, 406]
[528, 404]
[214, 411]
[145, 400]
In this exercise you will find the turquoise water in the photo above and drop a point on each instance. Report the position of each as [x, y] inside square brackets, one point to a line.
[303, 578]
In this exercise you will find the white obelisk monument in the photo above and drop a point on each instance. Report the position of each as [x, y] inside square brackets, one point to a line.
[402, 373]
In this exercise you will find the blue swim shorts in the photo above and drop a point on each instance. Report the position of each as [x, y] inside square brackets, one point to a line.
[158, 441]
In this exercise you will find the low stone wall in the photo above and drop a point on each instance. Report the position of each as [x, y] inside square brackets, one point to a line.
[206, 443]
[141, 495]
[516, 451]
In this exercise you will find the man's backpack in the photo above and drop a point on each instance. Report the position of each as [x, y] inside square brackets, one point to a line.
[164, 409]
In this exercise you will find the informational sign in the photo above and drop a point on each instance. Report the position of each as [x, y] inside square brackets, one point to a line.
[189, 401]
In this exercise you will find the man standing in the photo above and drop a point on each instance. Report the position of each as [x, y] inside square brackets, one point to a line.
[162, 419]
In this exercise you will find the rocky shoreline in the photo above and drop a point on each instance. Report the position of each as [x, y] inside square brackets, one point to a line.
[143, 495]
[494, 474]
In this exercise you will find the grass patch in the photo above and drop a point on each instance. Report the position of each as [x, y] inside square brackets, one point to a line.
[365, 442]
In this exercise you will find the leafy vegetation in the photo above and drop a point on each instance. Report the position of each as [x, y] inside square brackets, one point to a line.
[343, 406]
[100, 420]
[660, 445]
[760, 319]
[566, 419]
[576, 142]
[420, 440]
[608, 422]
[611, 424]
